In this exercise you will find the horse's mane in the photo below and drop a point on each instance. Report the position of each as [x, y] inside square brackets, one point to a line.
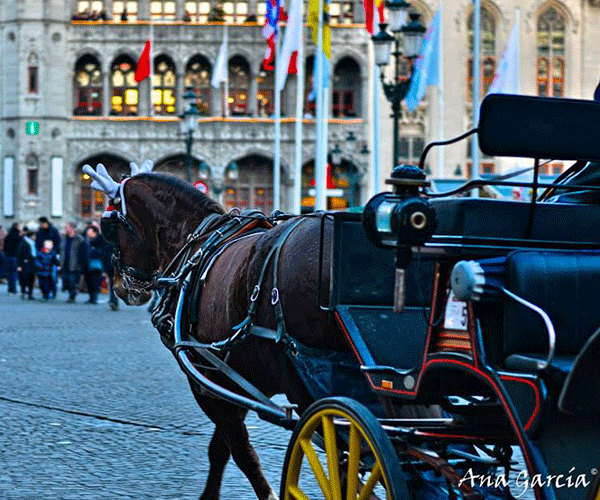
[168, 186]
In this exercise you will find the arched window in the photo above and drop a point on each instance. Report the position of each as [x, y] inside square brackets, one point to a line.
[125, 10]
[239, 85]
[236, 11]
[346, 88]
[88, 86]
[249, 184]
[197, 10]
[33, 168]
[32, 74]
[197, 78]
[266, 93]
[341, 12]
[164, 86]
[124, 100]
[488, 52]
[551, 53]
[163, 10]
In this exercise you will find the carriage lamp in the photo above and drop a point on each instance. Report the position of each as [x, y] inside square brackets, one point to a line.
[203, 171]
[411, 36]
[401, 220]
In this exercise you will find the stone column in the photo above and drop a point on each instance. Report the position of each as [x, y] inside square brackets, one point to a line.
[179, 91]
[252, 91]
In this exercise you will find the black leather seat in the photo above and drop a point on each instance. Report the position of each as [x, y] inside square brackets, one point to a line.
[564, 284]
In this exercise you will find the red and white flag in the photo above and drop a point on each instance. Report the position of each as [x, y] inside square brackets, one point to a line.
[288, 55]
[142, 70]
[370, 20]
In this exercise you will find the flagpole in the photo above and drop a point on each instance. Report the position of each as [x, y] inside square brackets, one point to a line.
[151, 81]
[320, 173]
[376, 117]
[277, 154]
[476, 90]
[226, 82]
[300, 76]
[442, 103]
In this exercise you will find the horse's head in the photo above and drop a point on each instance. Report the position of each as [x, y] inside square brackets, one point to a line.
[148, 219]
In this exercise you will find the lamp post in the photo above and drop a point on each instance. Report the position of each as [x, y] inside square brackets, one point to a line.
[189, 124]
[412, 34]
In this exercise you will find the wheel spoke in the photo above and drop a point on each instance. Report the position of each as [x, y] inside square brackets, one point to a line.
[297, 493]
[317, 468]
[369, 486]
[353, 463]
[332, 457]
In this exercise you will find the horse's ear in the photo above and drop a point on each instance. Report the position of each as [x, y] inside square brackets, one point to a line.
[102, 181]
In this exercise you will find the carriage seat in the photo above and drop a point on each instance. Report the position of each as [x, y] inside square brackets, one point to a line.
[564, 284]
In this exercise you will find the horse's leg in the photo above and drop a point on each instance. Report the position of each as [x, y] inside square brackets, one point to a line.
[229, 421]
[218, 455]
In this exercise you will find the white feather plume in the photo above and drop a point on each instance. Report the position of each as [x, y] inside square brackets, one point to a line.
[102, 181]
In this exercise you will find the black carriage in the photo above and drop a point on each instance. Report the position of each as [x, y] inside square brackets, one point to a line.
[472, 368]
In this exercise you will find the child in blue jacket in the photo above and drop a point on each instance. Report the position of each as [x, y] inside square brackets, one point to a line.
[45, 263]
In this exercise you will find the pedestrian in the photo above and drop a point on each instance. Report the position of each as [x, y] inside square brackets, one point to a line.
[26, 253]
[3, 266]
[72, 256]
[95, 267]
[11, 243]
[45, 232]
[46, 263]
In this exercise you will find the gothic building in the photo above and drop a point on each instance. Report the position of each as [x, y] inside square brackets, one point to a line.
[69, 97]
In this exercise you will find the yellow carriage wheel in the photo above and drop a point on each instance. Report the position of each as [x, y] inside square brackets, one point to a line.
[339, 451]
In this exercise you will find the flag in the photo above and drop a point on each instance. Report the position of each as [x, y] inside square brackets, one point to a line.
[506, 79]
[370, 11]
[313, 22]
[289, 48]
[142, 70]
[220, 73]
[270, 32]
[427, 67]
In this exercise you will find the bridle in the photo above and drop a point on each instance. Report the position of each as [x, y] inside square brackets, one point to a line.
[134, 280]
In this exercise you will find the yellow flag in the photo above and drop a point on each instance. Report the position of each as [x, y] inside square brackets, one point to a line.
[313, 22]
[378, 3]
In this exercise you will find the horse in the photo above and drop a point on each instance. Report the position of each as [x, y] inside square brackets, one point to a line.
[159, 212]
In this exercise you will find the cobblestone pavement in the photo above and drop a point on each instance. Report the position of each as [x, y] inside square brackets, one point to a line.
[92, 406]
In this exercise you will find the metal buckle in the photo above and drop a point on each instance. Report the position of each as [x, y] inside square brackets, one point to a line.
[274, 296]
[255, 293]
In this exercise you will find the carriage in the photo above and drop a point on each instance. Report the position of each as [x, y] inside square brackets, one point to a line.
[473, 351]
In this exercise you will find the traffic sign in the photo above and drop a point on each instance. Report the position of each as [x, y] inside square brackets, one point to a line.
[32, 128]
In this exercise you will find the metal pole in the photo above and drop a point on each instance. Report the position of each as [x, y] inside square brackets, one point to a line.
[188, 156]
[300, 62]
[476, 89]
[320, 171]
[396, 104]
[277, 154]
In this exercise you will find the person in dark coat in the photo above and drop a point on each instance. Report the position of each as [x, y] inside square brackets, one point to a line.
[45, 232]
[95, 267]
[26, 254]
[72, 260]
[11, 243]
[46, 263]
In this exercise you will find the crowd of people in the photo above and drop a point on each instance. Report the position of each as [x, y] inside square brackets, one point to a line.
[36, 259]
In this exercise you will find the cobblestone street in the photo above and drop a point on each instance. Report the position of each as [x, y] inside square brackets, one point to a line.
[92, 406]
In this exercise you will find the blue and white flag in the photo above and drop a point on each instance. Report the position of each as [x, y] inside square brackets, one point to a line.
[506, 79]
[427, 67]
[326, 69]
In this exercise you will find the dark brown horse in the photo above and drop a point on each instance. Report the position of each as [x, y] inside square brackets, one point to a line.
[163, 211]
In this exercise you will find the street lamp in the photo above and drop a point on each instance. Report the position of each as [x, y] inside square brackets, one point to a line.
[412, 34]
[188, 125]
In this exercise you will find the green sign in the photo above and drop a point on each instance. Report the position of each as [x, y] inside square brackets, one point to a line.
[32, 128]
